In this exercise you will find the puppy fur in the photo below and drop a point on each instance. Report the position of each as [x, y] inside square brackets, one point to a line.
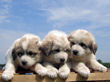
[54, 47]
[24, 53]
[83, 49]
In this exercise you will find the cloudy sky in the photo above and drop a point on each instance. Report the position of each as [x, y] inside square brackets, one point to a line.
[18, 17]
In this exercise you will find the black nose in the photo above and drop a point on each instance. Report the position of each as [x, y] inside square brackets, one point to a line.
[24, 62]
[75, 52]
[62, 60]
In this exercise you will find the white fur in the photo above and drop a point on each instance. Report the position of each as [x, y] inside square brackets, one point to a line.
[25, 44]
[85, 58]
[60, 41]
[81, 68]
[60, 55]
[64, 71]
[9, 71]
[28, 37]
[57, 35]
[51, 70]
[40, 70]
[11, 65]
[30, 61]
[95, 65]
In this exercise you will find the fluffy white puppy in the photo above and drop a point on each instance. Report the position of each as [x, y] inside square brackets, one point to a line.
[24, 53]
[54, 47]
[83, 49]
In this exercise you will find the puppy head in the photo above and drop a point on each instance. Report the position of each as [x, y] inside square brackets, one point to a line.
[26, 50]
[82, 43]
[55, 46]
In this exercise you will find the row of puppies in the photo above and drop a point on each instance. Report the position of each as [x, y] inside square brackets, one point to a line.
[55, 55]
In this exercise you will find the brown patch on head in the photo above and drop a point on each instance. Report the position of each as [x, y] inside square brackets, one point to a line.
[18, 43]
[83, 36]
[22, 40]
[32, 45]
[55, 40]
[88, 39]
[17, 47]
[46, 48]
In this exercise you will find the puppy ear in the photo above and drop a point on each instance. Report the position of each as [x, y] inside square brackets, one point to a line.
[38, 44]
[93, 47]
[69, 37]
[46, 48]
[14, 54]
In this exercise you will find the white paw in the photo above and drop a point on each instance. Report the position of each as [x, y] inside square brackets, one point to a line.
[7, 76]
[42, 72]
[52, 73]
[85, 73]
[102, 69]
[63, 74]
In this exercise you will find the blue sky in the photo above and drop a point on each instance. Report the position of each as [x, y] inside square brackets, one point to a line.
[18, 17]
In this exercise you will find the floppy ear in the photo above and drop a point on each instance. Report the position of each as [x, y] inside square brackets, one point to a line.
[70, 36]
[38, 44]
[93, 47]
[14, 54]
[46, 48]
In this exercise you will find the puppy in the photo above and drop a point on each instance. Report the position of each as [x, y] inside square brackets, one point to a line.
[83, 49]
[23, 53]
[54, 47]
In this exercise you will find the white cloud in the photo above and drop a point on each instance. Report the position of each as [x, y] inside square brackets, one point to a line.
[67, 14]
[60, 13]
[94, 11]
[7, 37]
[4, 10]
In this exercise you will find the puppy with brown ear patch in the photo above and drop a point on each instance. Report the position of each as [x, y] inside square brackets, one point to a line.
[54, 47]
[83, 49]
[24, 53]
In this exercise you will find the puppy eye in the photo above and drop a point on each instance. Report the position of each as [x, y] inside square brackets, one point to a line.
[35, 53]
[56, 51]
[72, 43]
[32, 53]
[20, 54]
[83, 45]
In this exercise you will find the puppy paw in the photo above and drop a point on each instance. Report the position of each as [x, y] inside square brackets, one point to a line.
[42, 72]
[63, 74]
[7, 76]
[102, 69]
[85, 73]
[52, 73]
